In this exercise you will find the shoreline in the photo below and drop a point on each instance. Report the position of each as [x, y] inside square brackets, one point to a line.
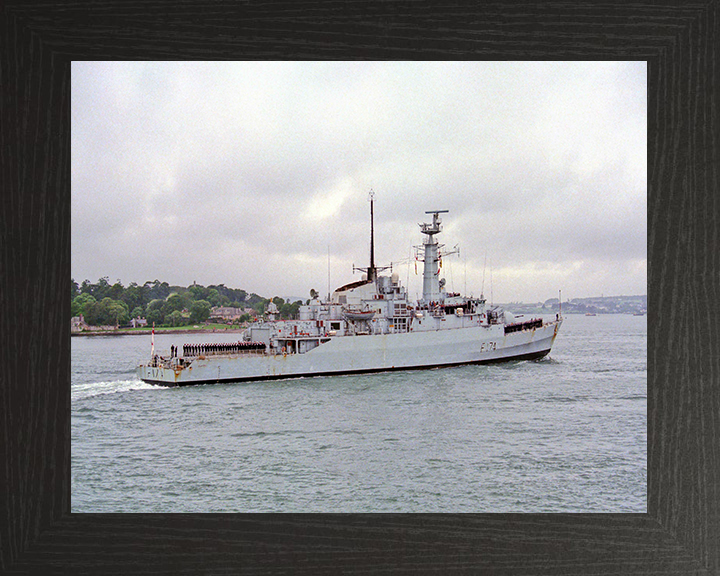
[148, 332]
[158, 332]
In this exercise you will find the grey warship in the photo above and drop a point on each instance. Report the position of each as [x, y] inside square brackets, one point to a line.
[369, 325]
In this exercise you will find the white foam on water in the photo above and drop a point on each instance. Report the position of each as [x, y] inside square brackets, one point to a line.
[87, 390]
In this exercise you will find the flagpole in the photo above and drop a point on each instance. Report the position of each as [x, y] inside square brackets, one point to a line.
[152, 342]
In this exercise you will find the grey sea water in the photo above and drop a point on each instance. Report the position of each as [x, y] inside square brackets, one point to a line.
[564, 434]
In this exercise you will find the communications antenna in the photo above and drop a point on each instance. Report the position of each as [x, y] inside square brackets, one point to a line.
[372, 270]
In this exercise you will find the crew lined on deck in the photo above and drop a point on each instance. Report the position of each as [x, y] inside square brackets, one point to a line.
[224, 348]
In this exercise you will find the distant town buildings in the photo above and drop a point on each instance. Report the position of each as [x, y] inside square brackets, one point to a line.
[229, 313]
[77, 324]
[595, 305]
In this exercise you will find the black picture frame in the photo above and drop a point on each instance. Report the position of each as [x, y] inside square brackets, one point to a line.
[680, 532]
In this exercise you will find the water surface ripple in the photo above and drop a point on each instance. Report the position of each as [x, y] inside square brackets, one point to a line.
[564, 434]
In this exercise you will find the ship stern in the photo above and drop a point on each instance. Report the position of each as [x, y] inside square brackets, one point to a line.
[158, 375]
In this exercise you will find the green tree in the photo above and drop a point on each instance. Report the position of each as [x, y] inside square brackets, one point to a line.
[137, 312]
[74, 290]
[116, 290]
[155, 311]
[119, 310]
[289, 310]
[82, 304]
[109, 312]
[90, 313]
[101, 289]
[253, 299]
[175, 302]
[157, 290]
[199, 311]
[154, 317]
[135, 296]
[214, 297]
[198, 292]
[156, 304]
[260, 305]
[175, 319]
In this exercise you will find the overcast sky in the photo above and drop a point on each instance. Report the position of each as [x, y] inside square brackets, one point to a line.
[250, 174]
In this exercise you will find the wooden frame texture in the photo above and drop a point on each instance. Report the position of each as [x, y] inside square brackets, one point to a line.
[679, 534]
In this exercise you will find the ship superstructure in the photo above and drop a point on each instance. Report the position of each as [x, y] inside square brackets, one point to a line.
[369, 325]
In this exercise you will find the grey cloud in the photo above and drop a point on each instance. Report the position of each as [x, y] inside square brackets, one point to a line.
[247, 172]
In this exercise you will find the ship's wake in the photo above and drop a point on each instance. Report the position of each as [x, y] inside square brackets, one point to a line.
[90, 389]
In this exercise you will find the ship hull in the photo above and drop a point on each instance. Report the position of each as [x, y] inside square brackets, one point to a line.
[366, 354]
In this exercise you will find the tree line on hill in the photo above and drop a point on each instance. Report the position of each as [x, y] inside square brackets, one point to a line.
[105, 304]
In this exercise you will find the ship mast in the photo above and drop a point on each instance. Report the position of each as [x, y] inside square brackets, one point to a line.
[372, 271]
[431, 282]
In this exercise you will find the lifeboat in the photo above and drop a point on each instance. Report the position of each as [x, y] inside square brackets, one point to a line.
[356, 315]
